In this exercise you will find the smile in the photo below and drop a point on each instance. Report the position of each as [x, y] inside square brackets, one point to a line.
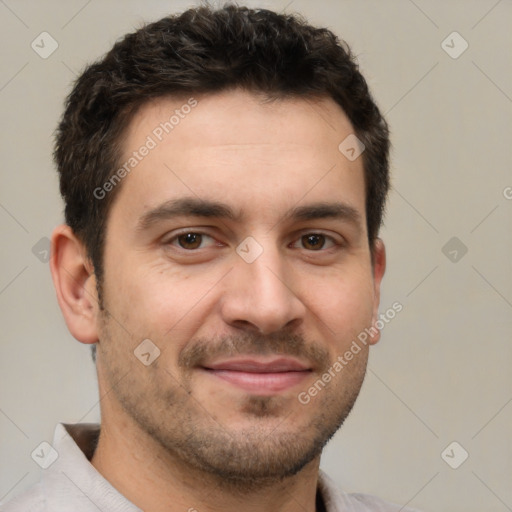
[259, 376]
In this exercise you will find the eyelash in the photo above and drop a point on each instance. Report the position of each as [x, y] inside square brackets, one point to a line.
[334, 243]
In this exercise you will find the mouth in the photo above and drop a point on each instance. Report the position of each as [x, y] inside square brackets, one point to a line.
[258, 375]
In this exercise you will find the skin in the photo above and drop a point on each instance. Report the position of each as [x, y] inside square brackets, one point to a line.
[172, 424]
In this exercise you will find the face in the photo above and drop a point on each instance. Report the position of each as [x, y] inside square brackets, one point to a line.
[238, 247]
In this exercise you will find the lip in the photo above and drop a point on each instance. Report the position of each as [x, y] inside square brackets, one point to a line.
[260, 376]
[258, 365]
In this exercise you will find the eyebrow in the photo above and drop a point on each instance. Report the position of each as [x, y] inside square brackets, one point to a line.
[196, 207]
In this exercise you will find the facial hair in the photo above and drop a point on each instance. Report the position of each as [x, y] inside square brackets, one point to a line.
[267, 449]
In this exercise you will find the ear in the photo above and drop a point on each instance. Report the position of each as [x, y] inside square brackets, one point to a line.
[75, 284]
[379, 267]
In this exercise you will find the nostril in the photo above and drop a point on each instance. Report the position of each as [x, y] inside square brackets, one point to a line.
[244, 324]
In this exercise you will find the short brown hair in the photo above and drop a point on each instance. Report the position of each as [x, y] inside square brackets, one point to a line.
[205, 50]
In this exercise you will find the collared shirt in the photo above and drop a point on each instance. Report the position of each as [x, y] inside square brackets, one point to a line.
[70, 482]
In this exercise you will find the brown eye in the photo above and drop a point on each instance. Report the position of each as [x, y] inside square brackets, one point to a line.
[190, 240]
[313, 241]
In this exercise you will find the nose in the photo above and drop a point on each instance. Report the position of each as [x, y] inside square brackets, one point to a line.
[260, 296]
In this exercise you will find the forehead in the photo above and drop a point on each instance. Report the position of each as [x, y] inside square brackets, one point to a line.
[239, 148]
[237, 117]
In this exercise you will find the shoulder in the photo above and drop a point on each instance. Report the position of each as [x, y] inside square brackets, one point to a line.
[32, 500]
[375, 504]
[337, 500]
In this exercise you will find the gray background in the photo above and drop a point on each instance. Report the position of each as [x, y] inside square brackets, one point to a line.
[441, 372]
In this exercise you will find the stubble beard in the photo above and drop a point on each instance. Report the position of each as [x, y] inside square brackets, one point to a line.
[241, 460]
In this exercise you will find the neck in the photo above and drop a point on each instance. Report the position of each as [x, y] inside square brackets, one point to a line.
[154, 479]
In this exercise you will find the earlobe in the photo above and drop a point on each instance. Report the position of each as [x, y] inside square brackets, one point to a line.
[75, 284]
[379, 268]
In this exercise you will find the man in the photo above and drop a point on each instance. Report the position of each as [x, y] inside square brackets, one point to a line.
[224, 174]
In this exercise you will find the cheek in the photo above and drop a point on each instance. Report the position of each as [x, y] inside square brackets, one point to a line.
[344, 303]
[160, 303]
